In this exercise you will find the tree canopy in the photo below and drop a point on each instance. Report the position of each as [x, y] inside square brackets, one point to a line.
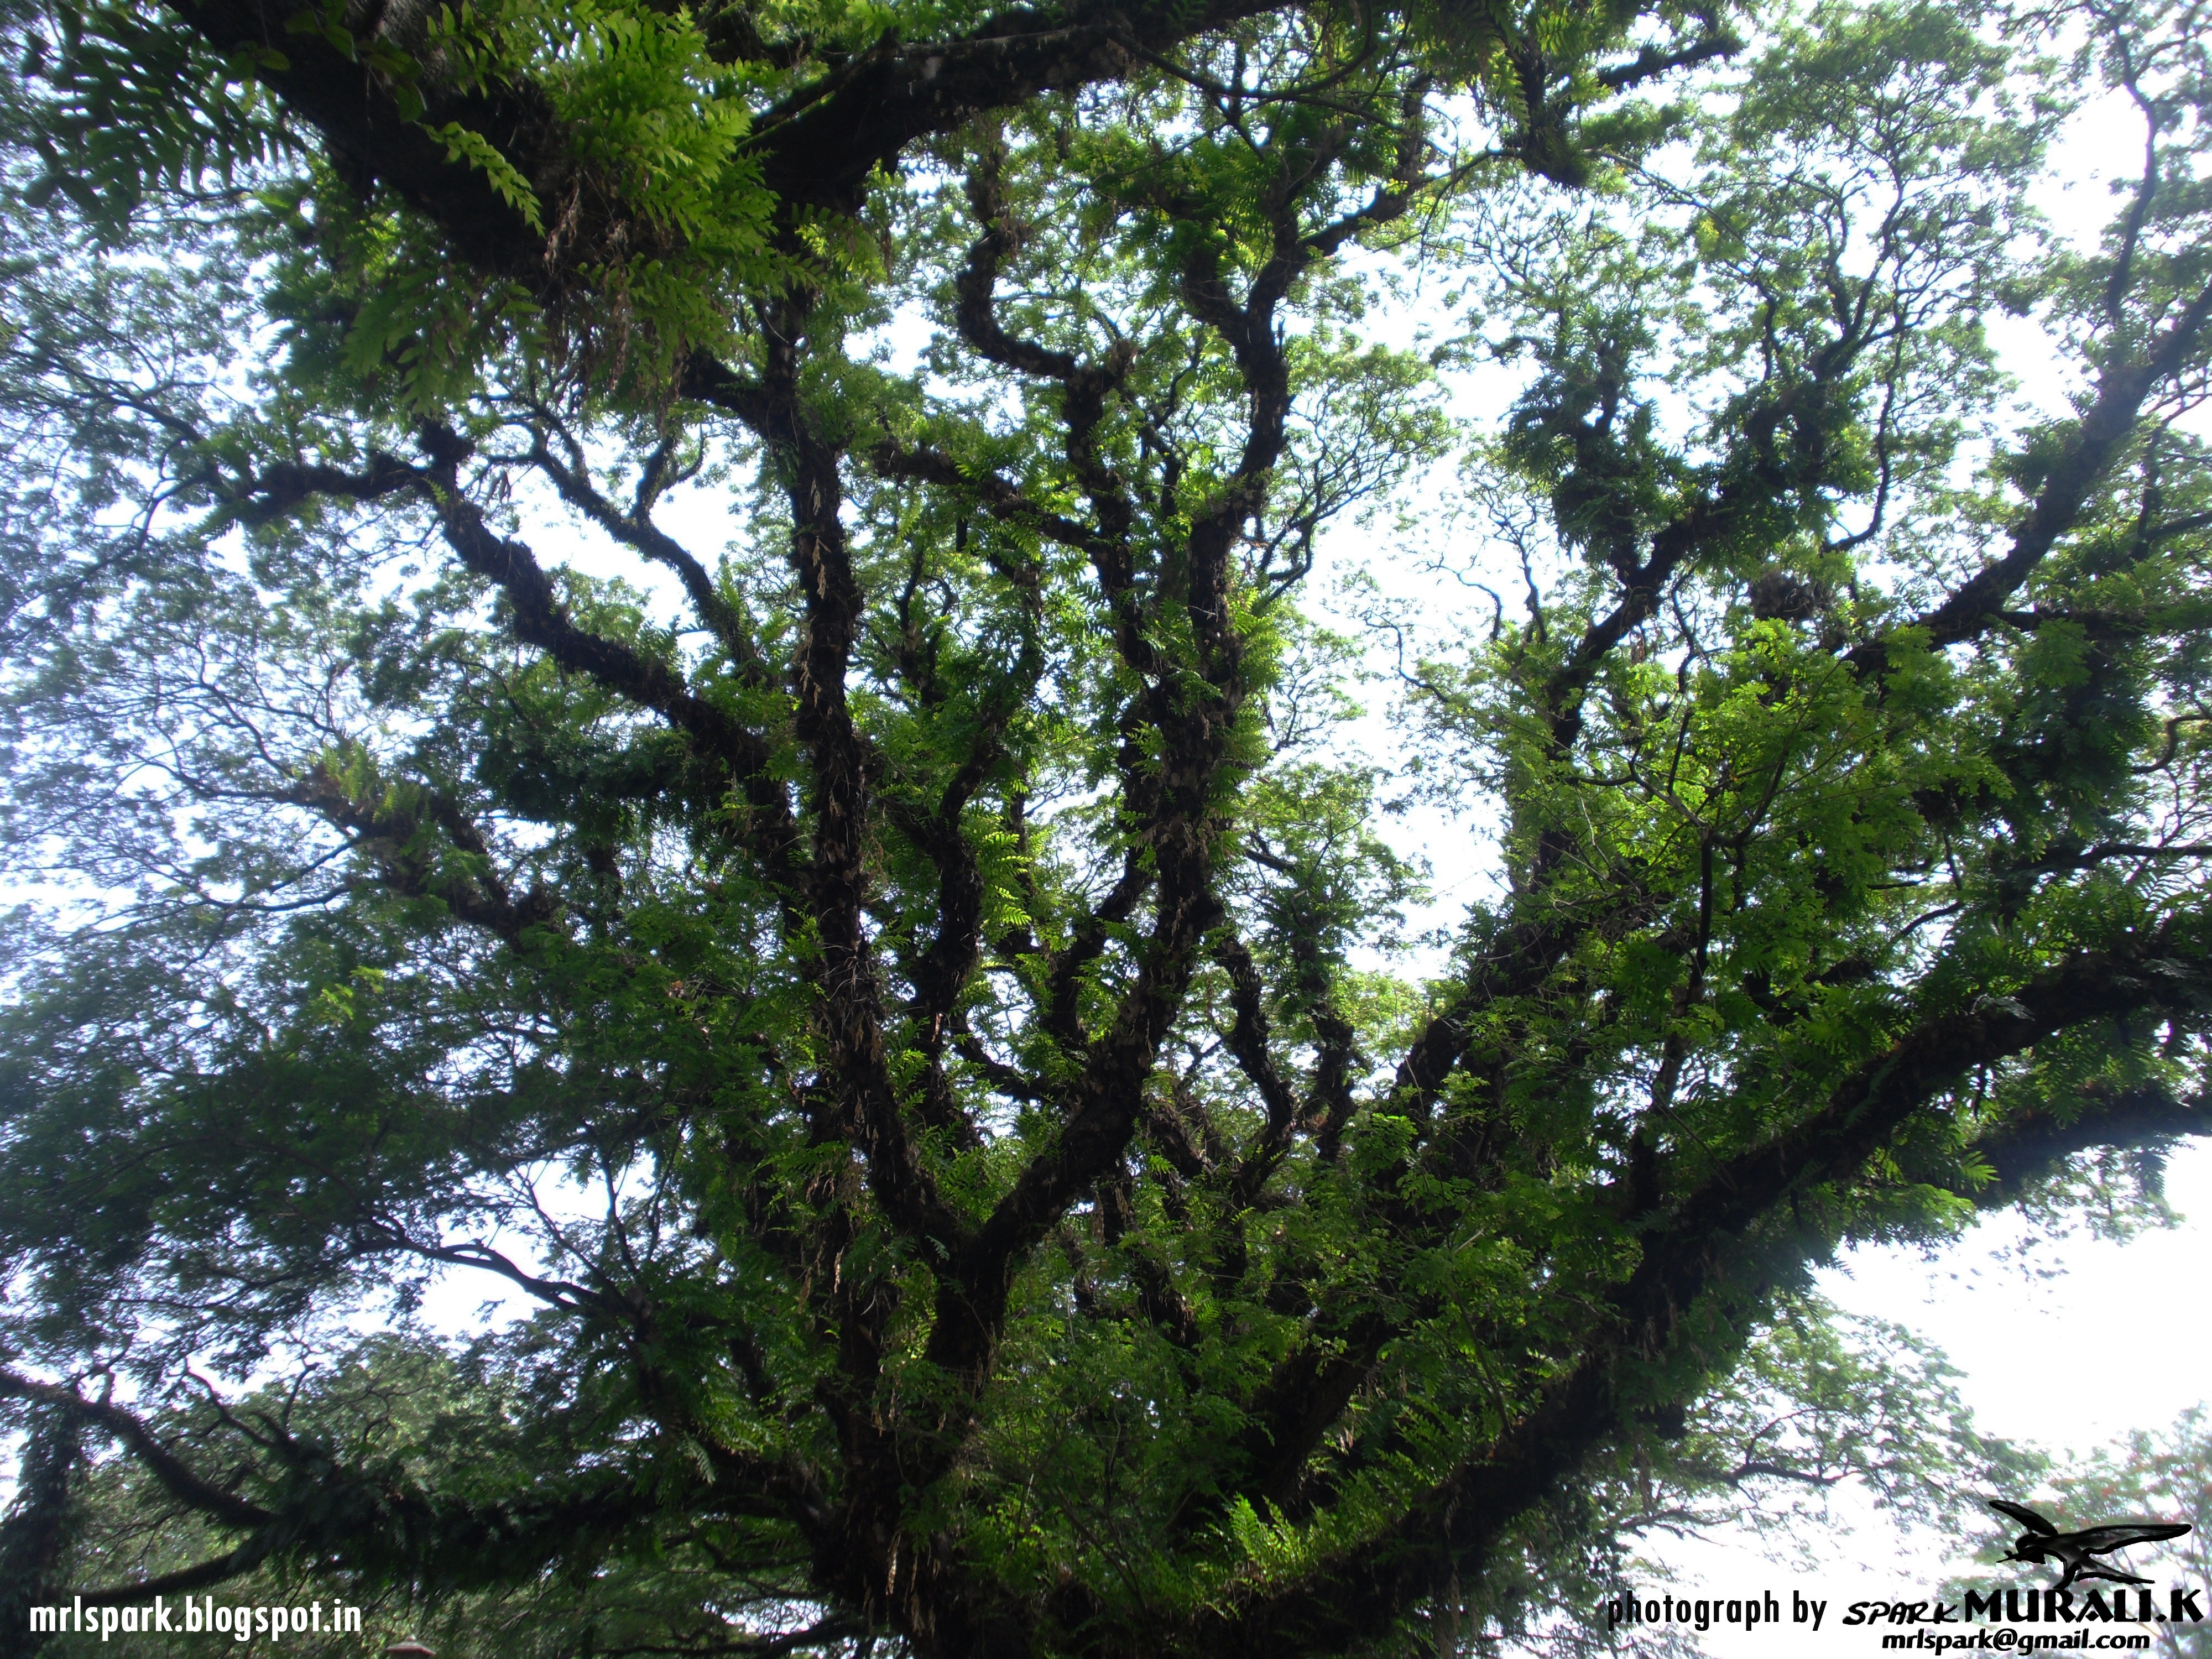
[665, 654]
[2166, 1473]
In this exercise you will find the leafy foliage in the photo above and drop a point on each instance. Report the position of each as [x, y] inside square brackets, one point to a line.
[887, 934]
[2153, 1475]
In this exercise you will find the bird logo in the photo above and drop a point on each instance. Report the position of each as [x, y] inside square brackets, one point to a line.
[2043, 1542]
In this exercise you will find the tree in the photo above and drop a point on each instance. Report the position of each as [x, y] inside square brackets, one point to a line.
[2154, 1476]
[927, 1026]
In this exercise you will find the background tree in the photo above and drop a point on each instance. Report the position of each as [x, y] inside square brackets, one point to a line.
[908, 992]
[2153, 1476]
